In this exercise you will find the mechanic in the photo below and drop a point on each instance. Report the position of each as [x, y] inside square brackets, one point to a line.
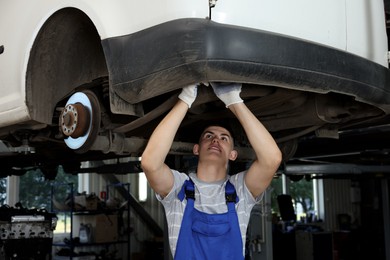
[208, 211]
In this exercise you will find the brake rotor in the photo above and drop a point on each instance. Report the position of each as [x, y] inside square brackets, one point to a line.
[80, 121]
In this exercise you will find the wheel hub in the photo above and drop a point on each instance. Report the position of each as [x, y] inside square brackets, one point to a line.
[80, 121]
[74, 120]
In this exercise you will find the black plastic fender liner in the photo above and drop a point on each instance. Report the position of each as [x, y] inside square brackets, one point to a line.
[181, 52]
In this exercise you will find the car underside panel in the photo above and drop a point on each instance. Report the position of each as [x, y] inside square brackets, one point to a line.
[294, 87]
[181, 52]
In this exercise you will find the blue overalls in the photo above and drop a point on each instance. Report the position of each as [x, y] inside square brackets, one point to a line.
[209, 236]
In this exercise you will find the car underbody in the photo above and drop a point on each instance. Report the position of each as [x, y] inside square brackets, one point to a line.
[300, 91]
[289, 115]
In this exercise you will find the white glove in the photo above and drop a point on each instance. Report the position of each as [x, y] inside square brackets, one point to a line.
[188, 94]
[228, 93]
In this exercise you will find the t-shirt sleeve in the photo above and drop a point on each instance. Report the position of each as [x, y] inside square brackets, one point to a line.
[179, 179]
[245, 196]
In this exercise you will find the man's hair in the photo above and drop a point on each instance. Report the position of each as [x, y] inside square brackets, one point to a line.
[218, 123]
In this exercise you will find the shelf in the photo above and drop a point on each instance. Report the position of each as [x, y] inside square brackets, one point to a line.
[89, 212]
[107, 219]
[89, 244]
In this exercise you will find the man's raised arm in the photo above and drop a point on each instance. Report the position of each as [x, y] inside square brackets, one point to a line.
[268, 155]
[153, 164]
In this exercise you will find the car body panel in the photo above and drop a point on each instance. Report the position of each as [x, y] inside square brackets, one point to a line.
[29, 17]
[346, 25]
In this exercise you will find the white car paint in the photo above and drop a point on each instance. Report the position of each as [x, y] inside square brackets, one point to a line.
[20, 22]
[355, 26]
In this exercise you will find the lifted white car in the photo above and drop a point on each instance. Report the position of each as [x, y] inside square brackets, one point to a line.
[90, 79]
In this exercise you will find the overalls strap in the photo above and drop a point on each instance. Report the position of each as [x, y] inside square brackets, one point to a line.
[188, 191]
[230, 193]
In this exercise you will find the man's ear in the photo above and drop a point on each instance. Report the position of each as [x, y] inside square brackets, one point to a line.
[195, 149]
[233, 155]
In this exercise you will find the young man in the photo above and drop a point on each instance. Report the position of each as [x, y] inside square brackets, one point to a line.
[208, 211]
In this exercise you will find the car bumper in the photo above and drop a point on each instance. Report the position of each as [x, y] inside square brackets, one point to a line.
[171, 55]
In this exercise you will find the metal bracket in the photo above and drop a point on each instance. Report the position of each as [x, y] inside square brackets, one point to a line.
[212, 3]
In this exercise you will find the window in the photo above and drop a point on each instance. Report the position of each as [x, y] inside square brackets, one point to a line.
[302, 196]
[35, 189]
[306, 194]
[142, 187]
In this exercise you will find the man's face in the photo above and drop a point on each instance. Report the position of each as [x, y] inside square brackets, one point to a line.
[216, 142]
